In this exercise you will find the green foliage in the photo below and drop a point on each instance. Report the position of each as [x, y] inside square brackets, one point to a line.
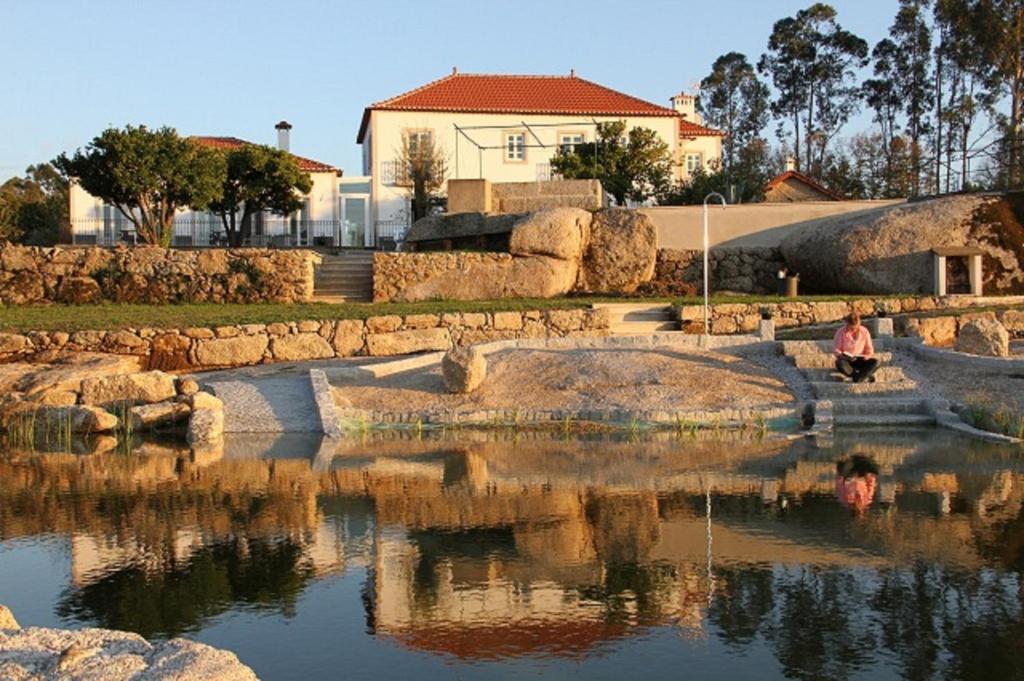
[257, 178]
[636, 165]
[812, 62]
[147, 175]
[34, 208]
[734, 100]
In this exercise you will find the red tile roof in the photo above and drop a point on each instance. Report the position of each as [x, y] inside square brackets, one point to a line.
[308, 165]
[691, 129]
[479, 93]
[800, 177]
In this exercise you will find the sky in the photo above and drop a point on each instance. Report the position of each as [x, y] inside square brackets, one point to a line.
[234, 68]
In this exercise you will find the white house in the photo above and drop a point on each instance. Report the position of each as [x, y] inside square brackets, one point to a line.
[506, 128]
[319, 221]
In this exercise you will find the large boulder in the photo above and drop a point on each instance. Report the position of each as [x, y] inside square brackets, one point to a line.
[463, 369]
[621, 253]
[509, 277]
[206, 424]
[144, 387]
[984, 337]
[458, 226]
[560, 233]
[888, 250]
[936, 331]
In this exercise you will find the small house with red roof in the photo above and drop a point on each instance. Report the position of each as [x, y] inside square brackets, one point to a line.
[793, 186]
[506, 128]
[319, 221]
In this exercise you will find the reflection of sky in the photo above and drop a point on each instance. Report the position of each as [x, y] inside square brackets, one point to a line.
[809, 584]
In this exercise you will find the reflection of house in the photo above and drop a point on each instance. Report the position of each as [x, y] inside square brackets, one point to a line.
[318, 221]
[793, 186]
[506, 128]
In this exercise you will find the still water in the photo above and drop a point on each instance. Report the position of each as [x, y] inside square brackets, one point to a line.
[506, 556]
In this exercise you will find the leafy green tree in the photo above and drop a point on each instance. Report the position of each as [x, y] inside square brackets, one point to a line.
[812, 62]
[34, 208]
[636, 165]
[147, 175]
[912, 37]
[258, 178]
[734, 100]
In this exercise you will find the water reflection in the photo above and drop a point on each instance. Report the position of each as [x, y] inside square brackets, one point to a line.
[498, 548]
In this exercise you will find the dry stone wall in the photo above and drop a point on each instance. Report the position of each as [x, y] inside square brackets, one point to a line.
[743, 270]
[143, 274]
[727, 318]
[228, 346]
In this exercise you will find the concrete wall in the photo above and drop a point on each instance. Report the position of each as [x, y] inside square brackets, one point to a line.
[746, 225]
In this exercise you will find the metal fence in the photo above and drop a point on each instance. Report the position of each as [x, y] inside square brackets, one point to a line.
[197, 232]
[395, 173]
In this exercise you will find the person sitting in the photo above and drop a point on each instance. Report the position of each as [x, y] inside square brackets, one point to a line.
[854, 351]
[856, 482]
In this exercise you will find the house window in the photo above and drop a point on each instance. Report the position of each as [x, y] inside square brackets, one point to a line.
[568, 141]
[419, 141]
[515, 146]
[694, 162]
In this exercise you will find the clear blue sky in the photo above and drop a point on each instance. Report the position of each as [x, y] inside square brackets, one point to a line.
[235, 68]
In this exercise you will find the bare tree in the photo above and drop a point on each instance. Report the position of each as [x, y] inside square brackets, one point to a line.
[425, 170]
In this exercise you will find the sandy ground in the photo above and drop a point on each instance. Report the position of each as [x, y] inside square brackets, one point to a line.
[656, 379]
[966, 385]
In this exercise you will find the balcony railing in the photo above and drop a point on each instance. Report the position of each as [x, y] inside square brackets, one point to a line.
[395, 173]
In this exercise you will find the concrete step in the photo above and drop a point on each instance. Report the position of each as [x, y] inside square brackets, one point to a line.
[885, 374]
[883, 420]
[638, 328]
[799, 347]
[344, 279]
[829, 390]
[820, 360]
[338, 299]
[878, 405]
[624, 308]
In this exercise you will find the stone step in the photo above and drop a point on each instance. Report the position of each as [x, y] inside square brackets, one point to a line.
[338, 299]
[362, 281]
[829, 390]
[865, 406]
[820, 360]
[798, 347]
[638, 328]
[624, 308]
[641, 317]
[883, 420]
[885, 374]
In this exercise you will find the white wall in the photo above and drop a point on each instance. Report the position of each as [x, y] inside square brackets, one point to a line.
[88, 215]
[384, 140]
[748, 224]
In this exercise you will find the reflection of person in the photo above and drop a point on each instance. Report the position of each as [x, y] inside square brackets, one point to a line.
[856, 481]
[854, 351]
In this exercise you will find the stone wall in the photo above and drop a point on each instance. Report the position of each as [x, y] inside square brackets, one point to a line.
[743, 270]
[943, 330]
[31, 274]
[239, 345]
[522, 197]
[743, 318]
[396, 272]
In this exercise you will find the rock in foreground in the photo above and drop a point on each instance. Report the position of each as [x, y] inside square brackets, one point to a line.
[463, 370]
[985, 337]
[105, 655]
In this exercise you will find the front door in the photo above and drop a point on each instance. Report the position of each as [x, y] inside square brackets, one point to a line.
[355, 216]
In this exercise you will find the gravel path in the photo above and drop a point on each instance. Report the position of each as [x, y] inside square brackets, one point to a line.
[630, 379]
[268, 404]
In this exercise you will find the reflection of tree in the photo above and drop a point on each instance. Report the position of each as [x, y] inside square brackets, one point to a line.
[265, 574]
[743, 602]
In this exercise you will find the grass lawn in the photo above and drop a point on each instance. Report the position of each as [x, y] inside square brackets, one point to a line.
[111, 316]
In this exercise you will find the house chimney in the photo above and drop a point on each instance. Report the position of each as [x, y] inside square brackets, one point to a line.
[790, 163]
[686, 106]
[283, 135]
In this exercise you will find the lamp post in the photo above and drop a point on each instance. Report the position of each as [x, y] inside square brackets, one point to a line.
[706, 277]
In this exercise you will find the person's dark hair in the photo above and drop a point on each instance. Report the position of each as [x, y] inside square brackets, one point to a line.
[857, 465]
[852, 318]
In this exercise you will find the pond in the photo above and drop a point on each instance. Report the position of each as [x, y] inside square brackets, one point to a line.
[519, 555]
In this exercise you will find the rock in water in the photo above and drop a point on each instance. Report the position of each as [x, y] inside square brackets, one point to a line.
[168, 413]
[7, 620]
[621, 253]
[145, 387]
[888, 250]
[206, 425]
[464, 370]
[984, 337]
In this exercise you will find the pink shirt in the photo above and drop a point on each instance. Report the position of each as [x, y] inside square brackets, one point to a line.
[853, 341]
